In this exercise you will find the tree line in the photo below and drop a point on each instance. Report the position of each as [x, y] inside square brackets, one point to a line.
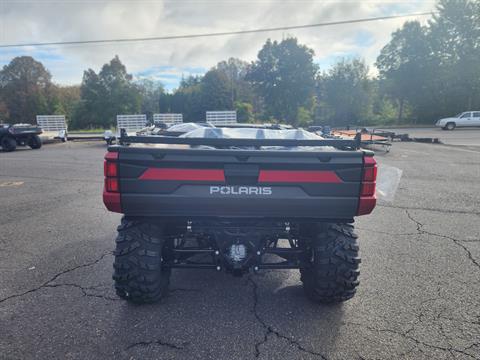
[423, 73]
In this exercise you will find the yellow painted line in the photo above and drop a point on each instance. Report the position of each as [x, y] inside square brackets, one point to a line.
[11, 183]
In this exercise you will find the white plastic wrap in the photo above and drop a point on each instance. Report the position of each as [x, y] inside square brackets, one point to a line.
[186, 127]
[252, 133]
[388, 179]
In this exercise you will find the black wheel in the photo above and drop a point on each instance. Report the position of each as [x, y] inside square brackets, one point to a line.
[450, 126]
[138, 273]
[8, 144]
[35, 142]
[332, 270]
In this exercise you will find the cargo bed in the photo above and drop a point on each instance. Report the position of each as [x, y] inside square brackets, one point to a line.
[178, 179]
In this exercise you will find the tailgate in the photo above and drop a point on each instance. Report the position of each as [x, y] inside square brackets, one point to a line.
[239, 183]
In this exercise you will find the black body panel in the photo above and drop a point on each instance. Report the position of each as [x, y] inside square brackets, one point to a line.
[240, 195]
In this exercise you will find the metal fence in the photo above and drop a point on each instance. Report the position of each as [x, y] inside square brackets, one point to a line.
[131, 122]
[168, 119]
[52, 122]
[222, 117]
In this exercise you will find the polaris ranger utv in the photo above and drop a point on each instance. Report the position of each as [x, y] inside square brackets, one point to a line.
[239, 205]
[12, 136]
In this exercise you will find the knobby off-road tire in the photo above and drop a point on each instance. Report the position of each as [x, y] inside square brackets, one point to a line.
[138, 273]
[8, 144]
[35, 142]
[332, 272]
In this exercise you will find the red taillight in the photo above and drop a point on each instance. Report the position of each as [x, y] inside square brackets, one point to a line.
[111, 190]
[368, 189]
[368, 200]
[111, 185]
[366, 205]
[370, 173]
[110, 169]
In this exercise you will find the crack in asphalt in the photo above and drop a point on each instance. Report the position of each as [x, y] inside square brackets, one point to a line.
[421, 314]
[444, 211]
[84, 291]
[384, 232]
[457, 242]
[462, 321]
[472, 346]
[56, 276]
[408, 336]
[158, 342]
[441, 315]
[269, 329]
[405, 335]
[361, 357]
[184, 290]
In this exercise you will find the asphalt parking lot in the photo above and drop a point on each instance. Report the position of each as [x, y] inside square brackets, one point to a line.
[419, 296]
[459, 136]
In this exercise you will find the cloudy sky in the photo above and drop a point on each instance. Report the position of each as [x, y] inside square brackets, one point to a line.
[70, 20]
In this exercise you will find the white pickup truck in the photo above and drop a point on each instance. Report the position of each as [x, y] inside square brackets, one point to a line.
[464, 119]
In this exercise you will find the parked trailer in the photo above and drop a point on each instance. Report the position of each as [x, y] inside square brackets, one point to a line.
[368, 138]
[221, 117]
[53, 123]
[131, 124]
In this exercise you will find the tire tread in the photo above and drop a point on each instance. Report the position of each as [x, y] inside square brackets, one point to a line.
[138, 273]
[333, 275]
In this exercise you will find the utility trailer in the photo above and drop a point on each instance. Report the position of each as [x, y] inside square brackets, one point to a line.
[54, 125]
[239, 205]
[129, 123]
[368, 138]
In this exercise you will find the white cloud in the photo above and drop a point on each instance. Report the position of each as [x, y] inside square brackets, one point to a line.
[45, 20]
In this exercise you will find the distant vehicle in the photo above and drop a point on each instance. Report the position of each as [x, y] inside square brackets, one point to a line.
[464, 119]
[12, 136]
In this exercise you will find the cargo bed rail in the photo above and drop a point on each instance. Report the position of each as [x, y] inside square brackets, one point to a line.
[350, 144]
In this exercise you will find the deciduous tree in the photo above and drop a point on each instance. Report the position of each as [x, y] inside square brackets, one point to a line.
[107, 94]
[284, 76]
[345, 92]
[24, 87]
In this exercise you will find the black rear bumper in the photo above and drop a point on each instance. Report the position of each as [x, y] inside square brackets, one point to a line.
[168, 205]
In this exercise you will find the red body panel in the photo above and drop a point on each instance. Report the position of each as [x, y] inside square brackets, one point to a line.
[183, 174]
[286, 176]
